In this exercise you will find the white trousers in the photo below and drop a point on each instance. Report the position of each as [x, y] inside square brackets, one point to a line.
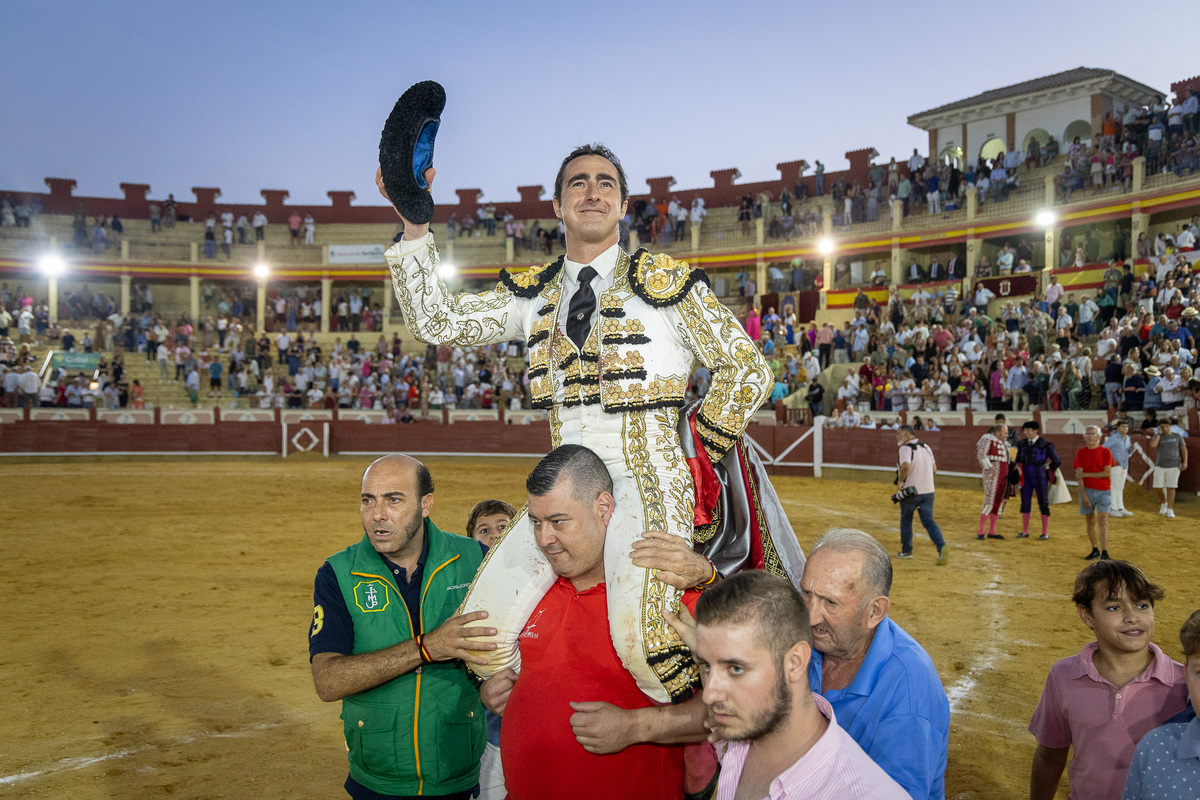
[1117, 488]
[653, 491]
[491, 774]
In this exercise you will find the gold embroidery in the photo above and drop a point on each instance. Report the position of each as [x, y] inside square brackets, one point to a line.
[665, 652]
[741, 378]
[435, 315]
[612, 301]
[661, 279]
[616, 327]
[614, 360]
[655, 391]
[530, 277]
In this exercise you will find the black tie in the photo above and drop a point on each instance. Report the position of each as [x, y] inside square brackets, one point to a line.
[583, 303]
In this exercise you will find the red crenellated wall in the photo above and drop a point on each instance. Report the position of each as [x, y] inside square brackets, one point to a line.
[533, 203]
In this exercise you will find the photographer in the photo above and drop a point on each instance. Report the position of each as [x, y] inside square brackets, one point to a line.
[914, 482]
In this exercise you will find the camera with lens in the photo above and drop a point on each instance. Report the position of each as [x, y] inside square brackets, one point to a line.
[907, 491]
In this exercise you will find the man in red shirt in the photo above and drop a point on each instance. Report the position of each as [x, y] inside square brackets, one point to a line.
[575, 723]
[1093, 468]
[294, 228]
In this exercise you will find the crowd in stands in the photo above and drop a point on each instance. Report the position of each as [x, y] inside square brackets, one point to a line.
[16, 214]
[1129, 345]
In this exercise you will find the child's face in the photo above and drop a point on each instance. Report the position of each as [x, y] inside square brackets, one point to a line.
[1121, 624]
[488, 528]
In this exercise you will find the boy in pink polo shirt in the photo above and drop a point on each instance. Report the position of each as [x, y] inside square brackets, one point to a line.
[1102, 701]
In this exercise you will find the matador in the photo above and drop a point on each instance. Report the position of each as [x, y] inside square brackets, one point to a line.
[612, 340]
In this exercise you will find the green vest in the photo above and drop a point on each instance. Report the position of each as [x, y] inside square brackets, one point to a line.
[423, 732]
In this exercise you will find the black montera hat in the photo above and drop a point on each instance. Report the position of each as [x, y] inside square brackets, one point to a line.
[406, 149]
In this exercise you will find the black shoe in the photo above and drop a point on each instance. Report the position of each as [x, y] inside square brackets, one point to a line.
[1044, 536]
[1092, 556]
[995, 536]
[980, 537]
[1104, 555]
[904, 554]
[1022, 535]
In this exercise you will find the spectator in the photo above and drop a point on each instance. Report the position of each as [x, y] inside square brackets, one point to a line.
[1170, 459]
[1120, 445]
[916, 468]
[1165, 764]
[606, 748]
[294, 222]
[805, 750]
[1093, 472]
[373, 668]
[879, 681]
[1100, 702]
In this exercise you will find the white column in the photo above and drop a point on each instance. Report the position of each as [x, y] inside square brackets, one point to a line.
[52, 298]
[125, 281]
[1051, 253]
[897, 263]
[326, 299]
[260, 308]
[194, 298]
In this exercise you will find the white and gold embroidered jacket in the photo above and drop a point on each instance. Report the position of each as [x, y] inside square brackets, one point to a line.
[657, 318]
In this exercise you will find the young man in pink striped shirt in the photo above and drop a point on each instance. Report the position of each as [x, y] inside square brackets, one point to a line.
[753, 643]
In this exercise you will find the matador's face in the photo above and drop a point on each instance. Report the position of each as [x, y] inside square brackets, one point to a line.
[591, 206]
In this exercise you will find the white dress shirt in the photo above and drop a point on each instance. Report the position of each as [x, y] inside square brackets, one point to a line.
[605, 266]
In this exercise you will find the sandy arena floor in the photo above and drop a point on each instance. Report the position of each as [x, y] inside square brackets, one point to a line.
[159, 642]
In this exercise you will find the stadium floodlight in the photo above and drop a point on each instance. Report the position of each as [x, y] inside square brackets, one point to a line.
[1046, 218]
[53, 265]
[261, 271]
[447, 271]
[825, 245]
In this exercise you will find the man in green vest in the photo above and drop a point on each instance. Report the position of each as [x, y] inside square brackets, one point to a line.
[385, 640]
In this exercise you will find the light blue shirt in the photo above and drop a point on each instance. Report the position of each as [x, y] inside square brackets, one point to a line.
[1120, 448]
[896, 709]
[1166, 764]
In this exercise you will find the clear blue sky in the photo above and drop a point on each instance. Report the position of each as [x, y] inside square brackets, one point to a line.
[254, 95]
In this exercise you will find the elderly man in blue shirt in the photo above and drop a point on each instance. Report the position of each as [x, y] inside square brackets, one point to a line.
[882, 685]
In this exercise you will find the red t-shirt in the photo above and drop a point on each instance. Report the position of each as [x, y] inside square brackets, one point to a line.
[567, 656]
[1095, 460]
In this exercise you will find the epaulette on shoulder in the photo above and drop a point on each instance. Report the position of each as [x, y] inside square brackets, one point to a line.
[661, 280]
[530, 283]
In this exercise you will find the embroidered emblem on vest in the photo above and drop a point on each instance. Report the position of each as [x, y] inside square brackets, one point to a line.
[371, 596]
[661, 280]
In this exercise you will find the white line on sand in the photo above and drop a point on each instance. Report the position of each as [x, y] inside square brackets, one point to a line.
[986, 660]
[73, 763]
